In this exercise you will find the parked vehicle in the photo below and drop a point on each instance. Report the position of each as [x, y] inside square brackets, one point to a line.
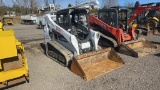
[70, 42]
[29, 19]
[113, 26]
[7, 21]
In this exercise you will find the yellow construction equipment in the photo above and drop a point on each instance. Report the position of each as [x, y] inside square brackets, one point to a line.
[145, 17]
[7, 21]
[13, 63]
[1, 26]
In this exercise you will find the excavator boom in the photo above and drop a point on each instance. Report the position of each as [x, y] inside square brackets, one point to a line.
[141, 9]
[145, 17]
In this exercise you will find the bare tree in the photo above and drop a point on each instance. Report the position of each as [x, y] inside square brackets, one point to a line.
[54, 2]
[1, 2]
[58, 6]
[109, 3]
[3, 8]
[26, 6]
[34, 5]
[46, 2]
[18, 3]
[129, 4]
[70, 5]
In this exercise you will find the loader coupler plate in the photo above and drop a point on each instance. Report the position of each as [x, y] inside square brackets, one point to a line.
[96, 63]
[139, 48]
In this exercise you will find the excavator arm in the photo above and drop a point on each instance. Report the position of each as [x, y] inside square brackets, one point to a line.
[141, 9]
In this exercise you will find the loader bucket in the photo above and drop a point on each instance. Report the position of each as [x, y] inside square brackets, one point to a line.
[138, 48]
[93, 64]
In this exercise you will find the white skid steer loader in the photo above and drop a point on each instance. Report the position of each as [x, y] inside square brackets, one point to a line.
[72, 43]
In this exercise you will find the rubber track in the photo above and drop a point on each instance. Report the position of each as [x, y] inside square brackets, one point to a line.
[109, 38]
[65, 52]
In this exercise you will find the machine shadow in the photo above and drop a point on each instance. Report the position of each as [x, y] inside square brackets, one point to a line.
[14, 85]
[43, 47]
[158, 54]
[155, 42]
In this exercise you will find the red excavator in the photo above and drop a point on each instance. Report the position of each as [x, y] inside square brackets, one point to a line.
[115, 31]
[146, 17]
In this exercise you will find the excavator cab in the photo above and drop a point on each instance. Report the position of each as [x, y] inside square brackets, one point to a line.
[117, 18]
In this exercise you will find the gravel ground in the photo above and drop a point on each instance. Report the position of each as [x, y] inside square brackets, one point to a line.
[45, 74]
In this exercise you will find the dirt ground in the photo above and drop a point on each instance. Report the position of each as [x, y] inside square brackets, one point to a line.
[45, 74]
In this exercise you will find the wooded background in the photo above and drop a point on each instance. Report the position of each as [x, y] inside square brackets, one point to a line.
[22, 7]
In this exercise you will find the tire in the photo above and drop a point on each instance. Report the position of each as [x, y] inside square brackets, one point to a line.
[151, 24]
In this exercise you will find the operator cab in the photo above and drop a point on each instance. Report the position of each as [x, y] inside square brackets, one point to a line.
[115, 16]
[74, 21]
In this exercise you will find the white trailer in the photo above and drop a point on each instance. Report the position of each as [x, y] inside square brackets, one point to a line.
[29, 19]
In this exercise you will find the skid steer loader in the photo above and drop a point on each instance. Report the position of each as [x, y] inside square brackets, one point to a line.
[113, 26]
[13, 63]
[72, 43]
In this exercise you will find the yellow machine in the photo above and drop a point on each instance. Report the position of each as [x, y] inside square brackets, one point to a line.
[145, 17]
[13, 63]
[1, 26]
[7, 21]
[152, 22]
